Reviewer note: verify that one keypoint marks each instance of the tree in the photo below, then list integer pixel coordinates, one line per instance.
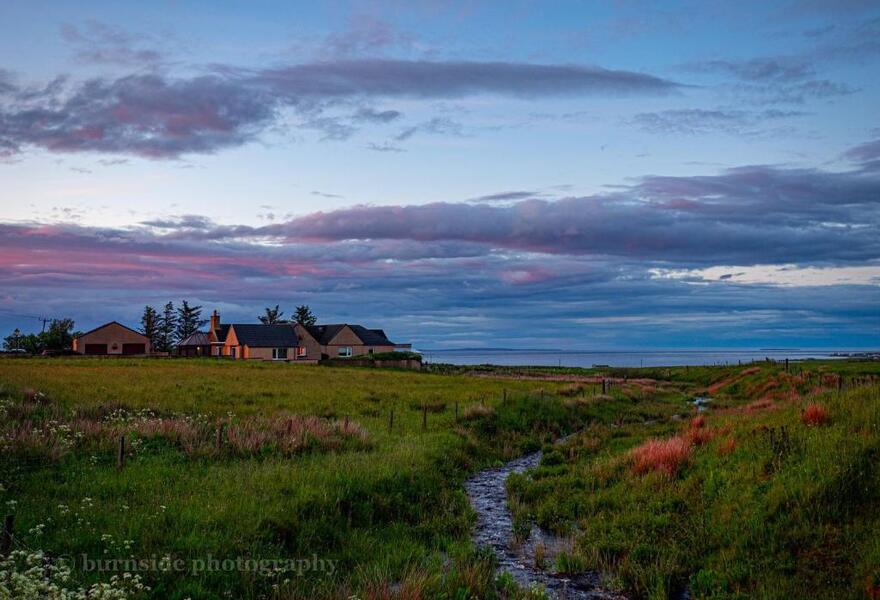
(304, 315)
(150, 325)
(59, 336)
(14, 341)
(167, 326)
(189, 319)
(272, 316)
(33, 343)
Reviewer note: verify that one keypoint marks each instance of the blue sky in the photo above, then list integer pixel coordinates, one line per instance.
(585, 175)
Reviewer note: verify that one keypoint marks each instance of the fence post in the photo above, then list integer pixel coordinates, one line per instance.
(456, 410)
(604, 386)
(6, 535)
(120, 455)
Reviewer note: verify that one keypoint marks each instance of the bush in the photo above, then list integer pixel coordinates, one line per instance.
(666, 456)
(815, 414)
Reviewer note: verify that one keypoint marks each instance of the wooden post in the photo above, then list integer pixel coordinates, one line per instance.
(120, 455)
(604, 386)
(391, 420)
(456, 410)
(424, 416)
(786, 365)
(6, 535)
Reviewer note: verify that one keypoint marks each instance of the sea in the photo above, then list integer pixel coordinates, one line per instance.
(628, 358)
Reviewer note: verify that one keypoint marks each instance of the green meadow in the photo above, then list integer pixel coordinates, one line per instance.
(347, 482)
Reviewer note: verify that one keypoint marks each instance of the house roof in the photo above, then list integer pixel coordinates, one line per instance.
(371, 337)
(198, 338)
(107, 325)
(221, 332)
(324, 334)
(265, 336)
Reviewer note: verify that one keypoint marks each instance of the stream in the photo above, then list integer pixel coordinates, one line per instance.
(488, 496)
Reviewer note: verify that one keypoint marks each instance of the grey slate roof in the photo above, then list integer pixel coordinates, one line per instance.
(199, 338)
(371, 337)
(266, 336)
(221, 332)
(324, 334)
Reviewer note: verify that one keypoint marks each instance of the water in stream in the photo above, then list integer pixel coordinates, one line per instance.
(488, 496)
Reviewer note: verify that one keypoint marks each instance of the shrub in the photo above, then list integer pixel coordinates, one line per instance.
(727, 446)
(666, 456)
(814, 414)
(571, 390)
(476, 411)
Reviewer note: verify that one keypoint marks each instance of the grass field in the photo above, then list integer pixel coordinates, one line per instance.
(269, 461)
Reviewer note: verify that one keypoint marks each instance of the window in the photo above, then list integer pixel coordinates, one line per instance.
(345, 351)
(279, 353)
(301, 352)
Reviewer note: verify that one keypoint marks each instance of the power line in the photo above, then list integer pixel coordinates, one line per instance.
(42, 319)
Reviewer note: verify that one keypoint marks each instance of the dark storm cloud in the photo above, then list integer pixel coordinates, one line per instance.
(158, 116)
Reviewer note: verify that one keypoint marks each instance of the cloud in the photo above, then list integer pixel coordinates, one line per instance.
(435, 126)
(386, 147)
(374, 116)
(694, 121)
(97, 42)
(324, 194)
(157, 116)
(868, 154)
(505, 197)
(648, 263)
(759, 69)
(144, 115)
(366, 35)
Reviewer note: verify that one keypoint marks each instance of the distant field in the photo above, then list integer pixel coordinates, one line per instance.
(271, 461)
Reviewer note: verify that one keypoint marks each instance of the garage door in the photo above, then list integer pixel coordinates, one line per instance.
(96, 348)
(134, 348)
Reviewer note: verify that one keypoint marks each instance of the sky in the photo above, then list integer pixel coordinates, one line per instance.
(549, 175)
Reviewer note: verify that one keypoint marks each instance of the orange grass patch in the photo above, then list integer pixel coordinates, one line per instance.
(666, 456)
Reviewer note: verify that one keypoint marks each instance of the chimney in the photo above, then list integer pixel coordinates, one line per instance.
(215, 320)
